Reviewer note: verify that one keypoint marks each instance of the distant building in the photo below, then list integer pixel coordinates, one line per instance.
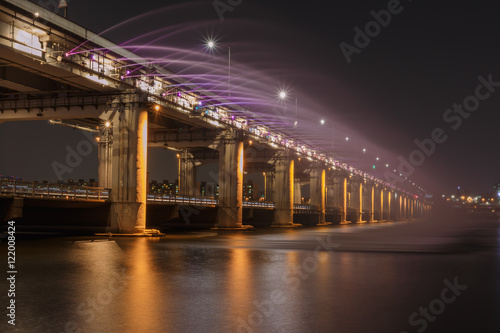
(251, 191)
(209, 189)
(166, 188)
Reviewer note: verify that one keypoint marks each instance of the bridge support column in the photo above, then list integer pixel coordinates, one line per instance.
(357, 198)
(378, 204)
(230, 210)
(317, 181)
(105, 156)
(388, 203)
(405, 207)
(187, 174)
(369, 199)
(396, 207)
(283, 196)
(269, 186)
(340, 196)
(129, 169)
(297, 192)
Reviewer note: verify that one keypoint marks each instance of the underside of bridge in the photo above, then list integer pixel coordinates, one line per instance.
(42, 79)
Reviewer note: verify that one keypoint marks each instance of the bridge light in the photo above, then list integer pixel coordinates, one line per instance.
(347, 138)
(282, 94)
(250, 142)
(107, 124)
(364, 150)
(210, 44)
(322, 121)
(377, 158)
(387, 165)
(97, 139)
(37, 14)
(157, 107)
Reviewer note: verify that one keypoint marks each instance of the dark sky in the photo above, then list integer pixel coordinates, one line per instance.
(396, 90)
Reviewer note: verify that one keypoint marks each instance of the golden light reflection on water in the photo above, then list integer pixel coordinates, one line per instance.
(239, 281)
(144, 299)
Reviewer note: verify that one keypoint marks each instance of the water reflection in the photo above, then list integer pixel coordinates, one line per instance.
(268, 282)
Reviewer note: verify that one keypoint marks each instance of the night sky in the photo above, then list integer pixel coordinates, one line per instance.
(396, 89)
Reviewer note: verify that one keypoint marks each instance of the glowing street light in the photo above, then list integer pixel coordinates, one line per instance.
(282, 94)
(322, 121)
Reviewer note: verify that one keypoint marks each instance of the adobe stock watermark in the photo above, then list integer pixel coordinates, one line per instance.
(74, 156)
(372, 29)
(453, 117)
(436, 307)
(223, 6)
(95, 303)
(291, 279)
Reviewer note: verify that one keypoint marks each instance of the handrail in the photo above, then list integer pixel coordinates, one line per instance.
(64, 191)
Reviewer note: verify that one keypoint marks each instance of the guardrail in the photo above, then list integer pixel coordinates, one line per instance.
(203, 201)
(183, 199)
(62, 191)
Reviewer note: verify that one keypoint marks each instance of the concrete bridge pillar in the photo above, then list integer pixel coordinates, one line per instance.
(187, 174)
(129, 168)
(369, 199)
(230, 209)
(269, 186)
(283, 196)
(318, 189)
(357, 197)
(378, 205)
(387, 205)
(412, 208)
(105, 155)
(340, 195)
(297, 192)
(405, 207)
(396, 206)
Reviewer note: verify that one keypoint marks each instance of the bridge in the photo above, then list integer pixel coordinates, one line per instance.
(56, 70)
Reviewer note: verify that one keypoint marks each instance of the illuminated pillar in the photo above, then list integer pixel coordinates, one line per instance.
(317, 189)
(340, 196)
(230, 209)
(187, 174)
(405, 207)
(269, 186)
(105, 155)
(284, 179)
(388, 205)
(297, 192)
(368, 199)
(396, 207)
(357, 197)
(129, 169)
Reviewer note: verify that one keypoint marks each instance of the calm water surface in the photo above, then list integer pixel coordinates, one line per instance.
(261, 281)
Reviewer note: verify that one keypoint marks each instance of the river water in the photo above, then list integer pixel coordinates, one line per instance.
(354, 278)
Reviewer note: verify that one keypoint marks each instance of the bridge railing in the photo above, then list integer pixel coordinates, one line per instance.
(62, 191)
(183, 199)
(305, 207)
(200, 200)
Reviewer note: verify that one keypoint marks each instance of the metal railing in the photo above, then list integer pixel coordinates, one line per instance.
(183, 199)
(61, 191)
(203, 201)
